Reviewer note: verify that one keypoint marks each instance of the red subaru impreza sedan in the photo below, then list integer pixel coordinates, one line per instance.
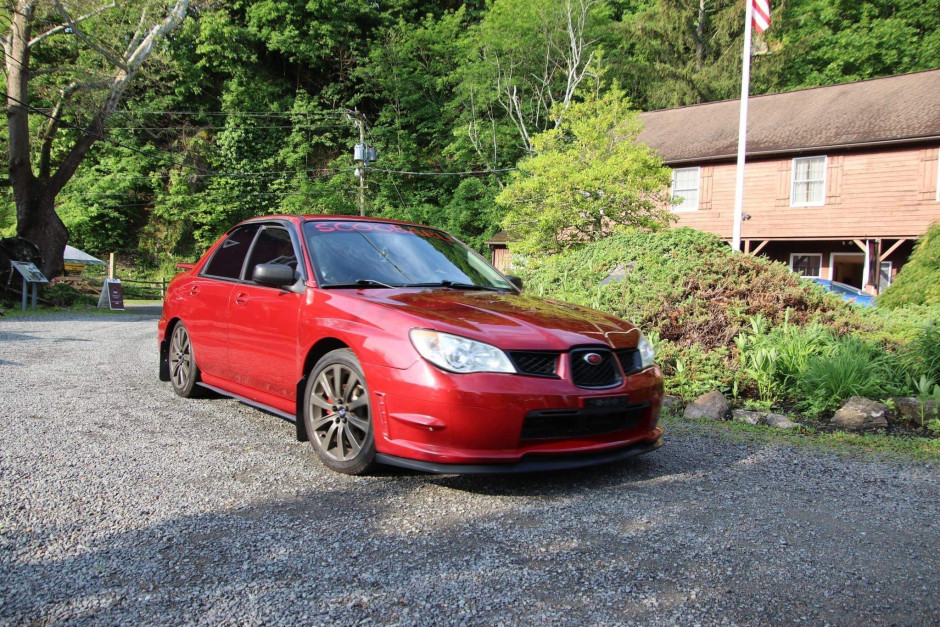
(387, 342)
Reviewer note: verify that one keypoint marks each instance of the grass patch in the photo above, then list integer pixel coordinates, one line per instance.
(879, 445)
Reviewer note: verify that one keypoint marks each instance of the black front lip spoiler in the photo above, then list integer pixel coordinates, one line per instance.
(527, 465)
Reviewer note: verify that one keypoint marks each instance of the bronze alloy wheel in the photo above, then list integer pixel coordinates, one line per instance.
(184, 373)
(337, 413)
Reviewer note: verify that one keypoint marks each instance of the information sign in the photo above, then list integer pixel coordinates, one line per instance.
(112, 295)
(31, 276)
(29, 271)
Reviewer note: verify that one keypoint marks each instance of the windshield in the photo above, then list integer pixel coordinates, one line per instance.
(378, 254)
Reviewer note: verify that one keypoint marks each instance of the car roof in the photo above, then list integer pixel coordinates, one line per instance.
(297, 218)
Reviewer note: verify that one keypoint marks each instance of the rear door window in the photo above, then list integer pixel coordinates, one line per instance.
(229, 258)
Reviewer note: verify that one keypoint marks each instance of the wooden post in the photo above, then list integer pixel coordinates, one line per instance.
(110, 265)
(874, 267)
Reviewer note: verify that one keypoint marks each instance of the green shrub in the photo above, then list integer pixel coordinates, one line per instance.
(65, 295)
(774, 358)
(687, 285)
(852, 367)
(694, 370)
(918, 282)
(921, 356)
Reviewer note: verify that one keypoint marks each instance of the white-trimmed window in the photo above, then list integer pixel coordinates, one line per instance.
(808, 182)
(685, 189)
(808, 265)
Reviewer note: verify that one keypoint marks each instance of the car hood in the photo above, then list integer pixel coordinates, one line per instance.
(509, 321)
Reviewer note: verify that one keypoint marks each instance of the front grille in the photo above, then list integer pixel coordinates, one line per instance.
(568, 423)
(630, 360)
(539, 364)
(604, 374)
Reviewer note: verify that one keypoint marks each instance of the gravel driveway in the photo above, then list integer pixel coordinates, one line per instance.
(121, 503)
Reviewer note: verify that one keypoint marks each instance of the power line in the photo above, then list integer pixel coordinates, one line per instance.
(99, 136)
(206, 172)
(260, 114)
(465, 173)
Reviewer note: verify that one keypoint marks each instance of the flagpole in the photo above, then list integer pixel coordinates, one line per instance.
(742, 129)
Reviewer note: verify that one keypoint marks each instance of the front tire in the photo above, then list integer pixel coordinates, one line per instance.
(184, 373)
(337, 414)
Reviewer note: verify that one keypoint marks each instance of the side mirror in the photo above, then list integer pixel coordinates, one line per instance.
(273, 274)
(515, 280)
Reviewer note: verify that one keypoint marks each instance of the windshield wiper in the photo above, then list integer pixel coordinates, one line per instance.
(457, 285)
(360, 283)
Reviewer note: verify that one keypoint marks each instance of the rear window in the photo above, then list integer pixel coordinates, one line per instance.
(229, 257)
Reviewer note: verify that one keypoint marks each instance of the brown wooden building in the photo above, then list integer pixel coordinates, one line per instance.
(840, 181)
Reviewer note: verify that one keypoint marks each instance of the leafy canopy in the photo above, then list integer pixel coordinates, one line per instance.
(587, 177)
(917, 283)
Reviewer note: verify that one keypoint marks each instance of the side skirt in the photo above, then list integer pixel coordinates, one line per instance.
(247, 401)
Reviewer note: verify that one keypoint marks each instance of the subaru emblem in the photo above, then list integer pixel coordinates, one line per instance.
(593, 359)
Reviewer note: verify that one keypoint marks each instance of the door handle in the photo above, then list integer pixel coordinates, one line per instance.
(193, 290)
(241, 298)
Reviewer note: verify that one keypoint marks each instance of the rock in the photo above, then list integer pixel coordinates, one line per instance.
(908, 409)
(861, 414)
(780, 421)
(712, 406)
(750, 417)
(672, 404)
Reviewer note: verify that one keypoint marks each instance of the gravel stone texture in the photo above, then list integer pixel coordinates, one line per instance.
(121, 503)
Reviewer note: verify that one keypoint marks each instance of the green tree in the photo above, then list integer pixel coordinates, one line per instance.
(527, 60)
(586, 179)
(671, 53)
(823, 42)
(78, 62)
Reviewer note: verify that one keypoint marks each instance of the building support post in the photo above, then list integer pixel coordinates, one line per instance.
(873, 266)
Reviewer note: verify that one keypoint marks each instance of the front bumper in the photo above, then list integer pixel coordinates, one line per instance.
(428, 417)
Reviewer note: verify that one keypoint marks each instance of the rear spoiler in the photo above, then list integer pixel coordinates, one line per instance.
(185, 266)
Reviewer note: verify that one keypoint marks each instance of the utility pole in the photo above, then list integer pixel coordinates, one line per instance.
(361, 123)
(361, 153)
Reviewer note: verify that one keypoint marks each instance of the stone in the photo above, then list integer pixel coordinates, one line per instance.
(672, 404)
(908, 409)
(861, 414)
(749, 417)
(780, 421)
(712, 406)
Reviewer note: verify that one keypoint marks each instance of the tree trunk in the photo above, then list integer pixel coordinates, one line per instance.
(38, 222)
(36, 218)
(700, 36)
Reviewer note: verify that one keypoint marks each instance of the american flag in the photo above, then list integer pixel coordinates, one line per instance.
(761, 14)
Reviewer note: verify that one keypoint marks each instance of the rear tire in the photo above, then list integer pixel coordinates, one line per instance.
(184, 373)
(337, 414)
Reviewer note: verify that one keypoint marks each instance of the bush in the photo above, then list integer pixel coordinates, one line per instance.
(693, 370)
(918, 282)
(852, 367)
(726, 321)
(687, 285)
(921, 356)
(776, 357)
(62, 294)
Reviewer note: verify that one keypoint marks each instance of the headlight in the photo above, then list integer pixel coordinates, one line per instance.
(647, 354)
(458, 354)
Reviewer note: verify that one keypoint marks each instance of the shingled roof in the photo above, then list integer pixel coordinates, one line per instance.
(895, 109)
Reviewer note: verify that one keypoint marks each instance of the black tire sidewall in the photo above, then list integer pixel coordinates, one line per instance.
(365, 458)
